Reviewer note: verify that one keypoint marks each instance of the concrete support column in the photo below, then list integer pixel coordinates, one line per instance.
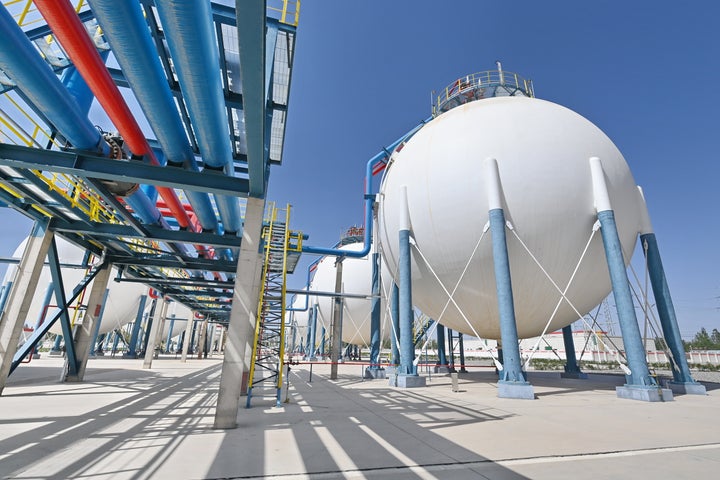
(572, 369)
(512, 382)
(20, 297)
(683, 381)
(337, 318)
(640, 385)
(202, 342)
(243, 315)
(442, 365)
(132, 346)
(374, 370)
(86, 332)
(155, 334)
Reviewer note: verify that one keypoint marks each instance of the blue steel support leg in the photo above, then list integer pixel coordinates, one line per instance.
(407, 376)
(572, 369)
(43, 313)
(450, 351)
(322, 342)
(57, 343)
(442, 365)
(148, 326)
(374, 370)
(639, 384)
(116, 341)
(682, 378)
(93, 349)
(512, 382)
(54, 261)
(395, 319)
(4, 295)
(168, 341)
(313, 330)
(132, 346)
(462, 353)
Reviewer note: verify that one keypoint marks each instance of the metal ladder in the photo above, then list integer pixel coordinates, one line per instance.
(268, 355)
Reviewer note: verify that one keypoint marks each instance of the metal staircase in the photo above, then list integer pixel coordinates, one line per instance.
(281, 250)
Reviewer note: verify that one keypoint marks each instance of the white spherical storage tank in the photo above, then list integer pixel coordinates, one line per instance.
(122, 303)
(542, 151)
(356, 279)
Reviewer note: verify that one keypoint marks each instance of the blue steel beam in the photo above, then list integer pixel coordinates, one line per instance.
(82, 165)
(156, 233)
(250, 17)
(168, 262)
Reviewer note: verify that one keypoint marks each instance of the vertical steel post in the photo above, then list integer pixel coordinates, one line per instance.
(512, 382)
(375, 314)
(450, 350)
(462, 353)
(312, 320)
(442, 365)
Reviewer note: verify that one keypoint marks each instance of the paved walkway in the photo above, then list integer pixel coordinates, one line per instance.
(124, 422)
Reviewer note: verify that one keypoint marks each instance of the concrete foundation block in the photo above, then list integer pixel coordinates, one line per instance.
(390, 371)
(374, 373)
(441, 369)
(687, 388)
(522, 391)
(644, 394)
(575, 375)
(407, 381)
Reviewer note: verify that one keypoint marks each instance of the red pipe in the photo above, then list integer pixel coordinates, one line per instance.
(70, 32)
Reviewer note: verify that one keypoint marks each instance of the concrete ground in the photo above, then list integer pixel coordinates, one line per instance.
(124, 422)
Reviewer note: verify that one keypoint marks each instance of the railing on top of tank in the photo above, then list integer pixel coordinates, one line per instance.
(480, 85)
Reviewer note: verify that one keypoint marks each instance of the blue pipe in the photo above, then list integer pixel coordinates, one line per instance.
(20, 61)
(127, 33)
(369, 199)
(78, 88)
(189, 31)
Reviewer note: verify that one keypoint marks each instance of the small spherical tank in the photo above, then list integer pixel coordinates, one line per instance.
(356, 279)
(542, 150)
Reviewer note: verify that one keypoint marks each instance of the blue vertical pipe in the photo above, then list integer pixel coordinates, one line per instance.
(512, 367)
(442, 360)
(78, 87)
(571, 365)
(132, 353)
(634, 348)
(395, 319)
(666, 310)
(375, 313)
(96, 328)
(170, 333)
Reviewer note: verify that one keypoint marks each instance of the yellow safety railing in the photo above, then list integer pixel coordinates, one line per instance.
(25, 13)
(473, 84)
(286, 11)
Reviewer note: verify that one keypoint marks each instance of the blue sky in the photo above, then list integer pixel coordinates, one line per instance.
(645, 72)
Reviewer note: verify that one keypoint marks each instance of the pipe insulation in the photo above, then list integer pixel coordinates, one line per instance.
(70, 32)
(126, 31)
(20, 60)
(190, 35)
